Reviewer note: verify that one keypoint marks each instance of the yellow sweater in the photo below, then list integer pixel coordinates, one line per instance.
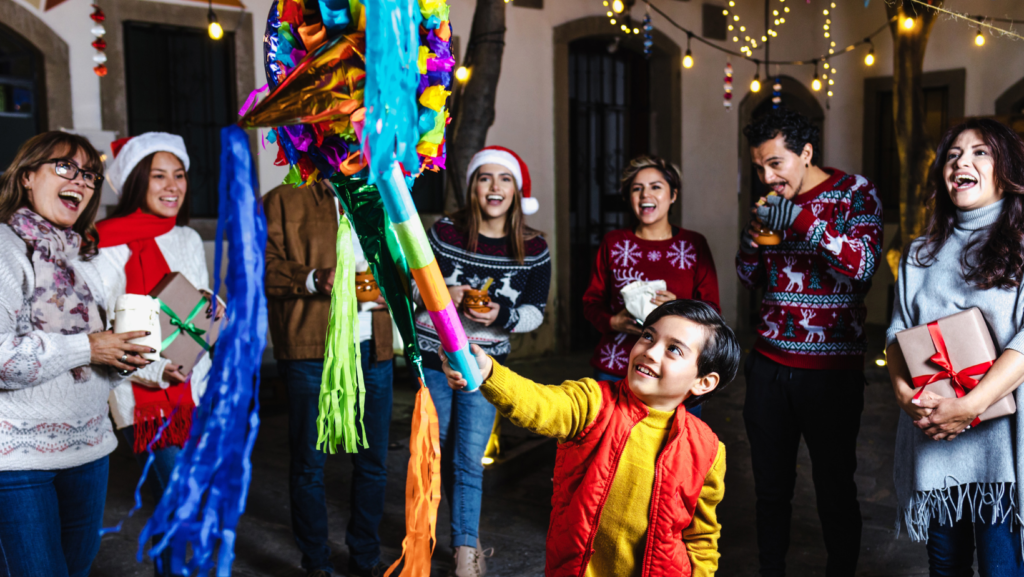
(564, 411)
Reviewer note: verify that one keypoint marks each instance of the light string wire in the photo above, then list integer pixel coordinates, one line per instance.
(758, 61)
(981, 21)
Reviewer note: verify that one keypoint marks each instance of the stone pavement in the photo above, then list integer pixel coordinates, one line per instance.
(515, 515)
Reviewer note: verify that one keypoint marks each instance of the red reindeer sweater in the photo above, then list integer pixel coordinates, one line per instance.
(815, 280)
(684, 262)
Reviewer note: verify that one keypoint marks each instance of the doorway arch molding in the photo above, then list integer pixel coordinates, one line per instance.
(53, 53)
(564, 34)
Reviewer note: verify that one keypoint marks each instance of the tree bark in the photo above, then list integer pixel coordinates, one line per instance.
(915, 152)
(474, 112)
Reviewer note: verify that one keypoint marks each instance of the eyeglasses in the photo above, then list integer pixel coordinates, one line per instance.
(68, 170)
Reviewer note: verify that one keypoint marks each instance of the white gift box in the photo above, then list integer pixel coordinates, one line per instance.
(637, 296)
(139, 313)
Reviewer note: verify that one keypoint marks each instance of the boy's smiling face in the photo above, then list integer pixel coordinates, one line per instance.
(663, 363)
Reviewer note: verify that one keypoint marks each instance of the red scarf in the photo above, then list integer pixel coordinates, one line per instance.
(145, 268)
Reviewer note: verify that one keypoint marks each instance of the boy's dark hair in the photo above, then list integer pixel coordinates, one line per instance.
(720, 352)
(796, 128)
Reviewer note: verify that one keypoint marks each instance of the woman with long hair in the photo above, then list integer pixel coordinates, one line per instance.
(57, 364)
(652, 250)
(959, 489)
(486, 239)
(145, 238)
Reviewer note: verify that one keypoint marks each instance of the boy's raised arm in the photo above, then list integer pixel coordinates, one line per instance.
(560, 411)
(701, 537)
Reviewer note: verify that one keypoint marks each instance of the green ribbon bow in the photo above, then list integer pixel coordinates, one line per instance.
(185, 325)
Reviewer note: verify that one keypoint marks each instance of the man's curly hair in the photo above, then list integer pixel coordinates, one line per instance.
(797, 129)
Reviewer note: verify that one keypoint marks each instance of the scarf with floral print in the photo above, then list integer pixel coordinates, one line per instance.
(61, 302)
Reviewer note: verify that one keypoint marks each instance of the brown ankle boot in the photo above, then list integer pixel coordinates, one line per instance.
(469, 562)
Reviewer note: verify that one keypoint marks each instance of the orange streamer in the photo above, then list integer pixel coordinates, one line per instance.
(422, 489)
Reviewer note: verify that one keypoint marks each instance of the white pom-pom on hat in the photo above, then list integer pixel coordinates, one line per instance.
(129, 152)
(507, 158)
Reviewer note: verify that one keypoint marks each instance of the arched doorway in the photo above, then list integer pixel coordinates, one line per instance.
(21, 81)
(611, 103)
(796, 97)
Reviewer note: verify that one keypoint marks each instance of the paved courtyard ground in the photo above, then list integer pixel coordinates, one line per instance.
(515, 514)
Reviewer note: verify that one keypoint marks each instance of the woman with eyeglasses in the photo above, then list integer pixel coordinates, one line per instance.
(57, 364)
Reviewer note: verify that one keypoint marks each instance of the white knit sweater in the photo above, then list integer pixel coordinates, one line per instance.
(47, 421)
(183, 250)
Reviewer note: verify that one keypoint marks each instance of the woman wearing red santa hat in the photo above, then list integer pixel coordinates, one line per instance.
(486, 239)
(144, 239)
(653, 250)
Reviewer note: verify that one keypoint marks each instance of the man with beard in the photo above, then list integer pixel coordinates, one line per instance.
(806, 373)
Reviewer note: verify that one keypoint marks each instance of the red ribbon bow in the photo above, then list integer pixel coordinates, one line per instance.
(962, 381)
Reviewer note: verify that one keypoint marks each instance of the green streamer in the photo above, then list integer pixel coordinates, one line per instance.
(341, 387)
(362, 203)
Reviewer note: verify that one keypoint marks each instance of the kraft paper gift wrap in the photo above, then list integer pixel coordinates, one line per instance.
(638, 294)
(175, 292)
(969, 352)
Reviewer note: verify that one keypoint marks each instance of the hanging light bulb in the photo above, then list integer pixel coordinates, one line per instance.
(979, 39)
(908, 23)
(688, 60)
(869, 59)
(816, 83)
(462, 74)
(618, 6)
(214, 29)
(755, 84)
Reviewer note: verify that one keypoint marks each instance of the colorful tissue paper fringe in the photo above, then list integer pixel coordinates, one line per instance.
(206, 494)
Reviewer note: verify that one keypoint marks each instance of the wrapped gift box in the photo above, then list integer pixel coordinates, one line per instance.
(189, 305)
(951, 355)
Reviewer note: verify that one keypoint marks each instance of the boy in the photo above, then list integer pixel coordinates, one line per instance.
(636, 480)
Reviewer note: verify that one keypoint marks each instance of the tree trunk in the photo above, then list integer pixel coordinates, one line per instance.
(916, 154)
(474, 112)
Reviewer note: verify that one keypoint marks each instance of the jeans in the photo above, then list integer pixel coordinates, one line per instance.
(306, 464)
(465, 421)
(951, 548)
(159, 477)
(824, 406)
(50, 526)
(603, 376)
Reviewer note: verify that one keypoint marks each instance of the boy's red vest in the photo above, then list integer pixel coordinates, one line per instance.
(585, 468)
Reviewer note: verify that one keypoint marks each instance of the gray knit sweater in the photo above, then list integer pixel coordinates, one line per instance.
(932, 476)
(47, 421)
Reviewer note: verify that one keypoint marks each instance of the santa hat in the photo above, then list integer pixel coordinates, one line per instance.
(504, 157)
(128, 152)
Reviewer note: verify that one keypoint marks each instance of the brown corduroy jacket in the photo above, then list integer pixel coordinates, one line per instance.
(302, 229)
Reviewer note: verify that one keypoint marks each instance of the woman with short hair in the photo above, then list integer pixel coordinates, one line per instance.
(652, 250)
(57, 364)
(959, 489)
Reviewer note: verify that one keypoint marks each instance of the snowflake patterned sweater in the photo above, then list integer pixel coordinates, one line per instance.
(815, 280)
(684, 262)
(520, 289)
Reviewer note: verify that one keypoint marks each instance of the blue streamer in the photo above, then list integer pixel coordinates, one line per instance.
(392, 76)
(207, 491)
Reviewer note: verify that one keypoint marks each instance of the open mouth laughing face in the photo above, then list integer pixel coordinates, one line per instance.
(495, 189)
(55, 198)
(650, 196)
(969, 172)
(168, 185)
(663, 363)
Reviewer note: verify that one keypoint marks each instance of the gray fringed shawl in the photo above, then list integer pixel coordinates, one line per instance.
(946, 480)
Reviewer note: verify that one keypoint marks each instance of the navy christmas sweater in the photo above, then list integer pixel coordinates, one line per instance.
(520, 289)
(815, 280)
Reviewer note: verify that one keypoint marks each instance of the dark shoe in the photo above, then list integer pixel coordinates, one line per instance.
(375, 571)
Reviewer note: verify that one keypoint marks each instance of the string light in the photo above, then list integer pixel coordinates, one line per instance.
(979, 38)
(869, 59)
(908, 23)
(215, 30)
(462, 74)
(816, 83)
(618, 6)
(755, 84)
(688, 58)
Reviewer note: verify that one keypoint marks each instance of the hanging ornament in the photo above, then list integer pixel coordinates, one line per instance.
(776, 93)
(100, 58)
(648, 37)
(727, 97)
